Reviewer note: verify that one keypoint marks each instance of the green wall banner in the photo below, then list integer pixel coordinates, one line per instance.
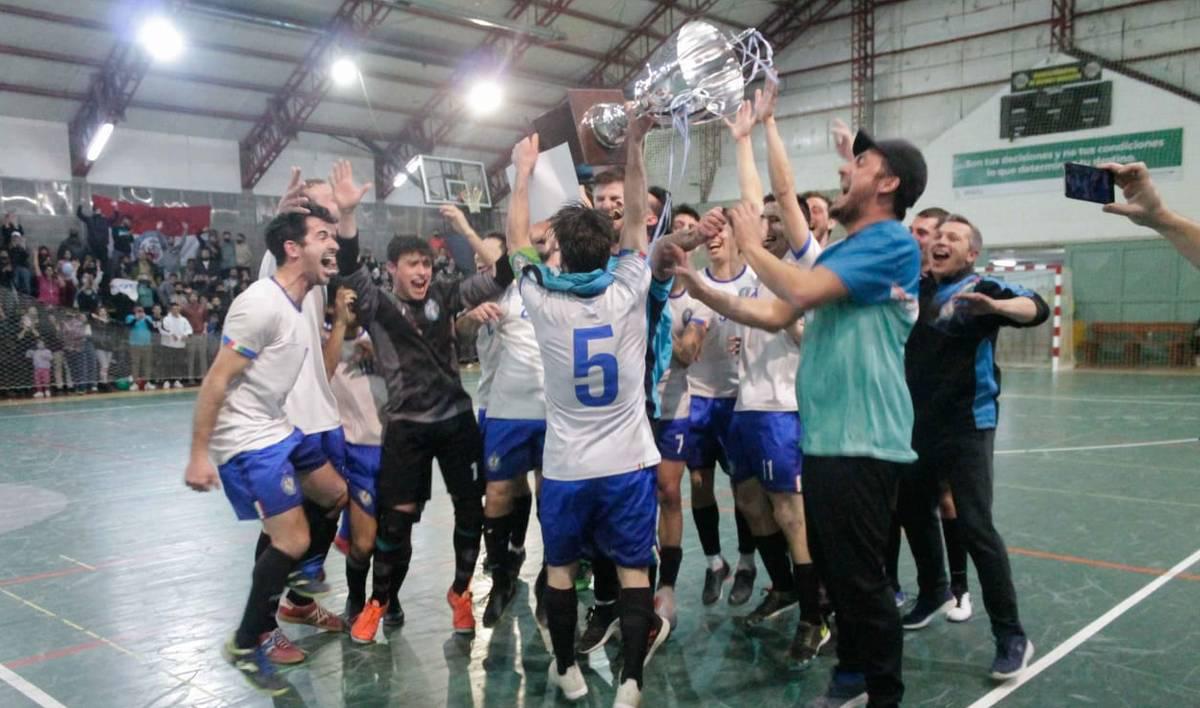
(1020, 169)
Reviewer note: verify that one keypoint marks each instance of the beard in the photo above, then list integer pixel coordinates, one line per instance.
(845, 213)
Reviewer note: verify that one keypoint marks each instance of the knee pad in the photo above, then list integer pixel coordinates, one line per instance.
(468, 516)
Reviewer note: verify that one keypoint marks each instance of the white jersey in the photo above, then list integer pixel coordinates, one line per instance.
(594, 354)
(360, 394)
(310, 406)
(714, 374)
(266, 326)
(768, 361)
(487, 347)
(518, 388)
(674, 399)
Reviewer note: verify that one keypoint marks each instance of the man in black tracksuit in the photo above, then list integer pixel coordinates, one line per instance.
(954, 383)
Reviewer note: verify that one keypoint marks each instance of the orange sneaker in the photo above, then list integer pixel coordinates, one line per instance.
(311, 614)
(279, 649)
(367, 622)
(464, 616)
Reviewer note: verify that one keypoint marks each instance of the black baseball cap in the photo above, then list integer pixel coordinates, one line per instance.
(904, 160)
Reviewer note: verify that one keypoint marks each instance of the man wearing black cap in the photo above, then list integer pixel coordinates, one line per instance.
(862, 298)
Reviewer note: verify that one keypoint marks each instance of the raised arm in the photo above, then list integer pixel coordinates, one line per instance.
(332, 349)
(1145, 207)
(524, 158)
(201, 475)
(685, 349)
(739, 129)
(770, 315)
(633, 227)
(801, 289)
(783, 183)
(458, 220)
(660, 258)
(347, 194)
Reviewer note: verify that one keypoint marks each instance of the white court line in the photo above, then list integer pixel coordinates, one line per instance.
(77, 562)
(27, 689)
(998, 694)
(1114, 446)
(1097, 495)
(1141, 401)
(103, 409)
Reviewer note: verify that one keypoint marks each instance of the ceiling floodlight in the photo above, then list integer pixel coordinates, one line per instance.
(99, 140)
(485, 97)
(160, 39)
(344, 71)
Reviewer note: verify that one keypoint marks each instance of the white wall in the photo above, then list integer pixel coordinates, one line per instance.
(142, 158)
(34, 149)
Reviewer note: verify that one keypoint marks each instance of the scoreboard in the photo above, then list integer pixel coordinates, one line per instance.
(1056, 99)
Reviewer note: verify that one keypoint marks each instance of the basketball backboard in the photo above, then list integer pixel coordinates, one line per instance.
(446, 180)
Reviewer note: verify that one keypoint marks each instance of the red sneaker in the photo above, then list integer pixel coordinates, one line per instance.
(464, 616)
(279, 649)
(312, 614)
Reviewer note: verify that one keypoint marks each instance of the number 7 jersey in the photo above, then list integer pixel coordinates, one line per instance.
(594, 357)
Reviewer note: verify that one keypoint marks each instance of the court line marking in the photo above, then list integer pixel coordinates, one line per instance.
(1098, 495)
(53, 654)
(1108, 565)
(27, 689)
(100, 409)
(1084, 399)
(999, 693)
(1113, 446)
(79, 563)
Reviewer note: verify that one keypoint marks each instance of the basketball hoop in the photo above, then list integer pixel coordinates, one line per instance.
(472, 196)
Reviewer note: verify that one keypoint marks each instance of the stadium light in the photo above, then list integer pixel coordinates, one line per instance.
(485, 97)
(99, 140)
(413, 165)
(344, 71)
(400, 180)
(160, 39)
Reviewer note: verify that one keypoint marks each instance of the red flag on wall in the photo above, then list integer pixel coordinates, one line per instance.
(145, 218)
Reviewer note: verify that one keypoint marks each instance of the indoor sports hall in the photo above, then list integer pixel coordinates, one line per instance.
(150, 145)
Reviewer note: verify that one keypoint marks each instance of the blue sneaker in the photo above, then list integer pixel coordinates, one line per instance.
(846, 690)
(1012, 656)
(306, 585)
(925, 610)
(256, 668)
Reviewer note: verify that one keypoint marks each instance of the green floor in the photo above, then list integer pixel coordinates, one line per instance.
(117, 585)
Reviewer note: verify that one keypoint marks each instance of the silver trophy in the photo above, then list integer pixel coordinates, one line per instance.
(699, 75)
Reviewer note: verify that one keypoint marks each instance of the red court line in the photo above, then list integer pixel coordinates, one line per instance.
(56, 654)
(1098, 563)
(72, 570)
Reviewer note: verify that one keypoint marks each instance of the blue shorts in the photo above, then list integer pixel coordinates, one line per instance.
(674, 438)
(318, 448)
(616, 515)
(482, 418)
(362, 470)
(512, 447)
(709, 430)
(262, 483)
(766, 445)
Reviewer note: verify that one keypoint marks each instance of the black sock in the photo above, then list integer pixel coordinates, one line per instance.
(519, 520)
(708, 528)
(393, 552)
(637, 617)
(807, 592)
(671, 557)
(269, 578)
(605, 585)
(321, 530)
(562, 613)
(773, 550)
(466, 552)
(956, 556)
(356, 583)
(495, 538)
(746, 541)
(264, 542)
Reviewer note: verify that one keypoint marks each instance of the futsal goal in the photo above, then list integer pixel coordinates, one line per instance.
(1049, 344)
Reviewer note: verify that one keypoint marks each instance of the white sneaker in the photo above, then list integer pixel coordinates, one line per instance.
(571, 683)
(628, 695)
(178, 384)
(37, 394)
(150, 387)
(961, 612)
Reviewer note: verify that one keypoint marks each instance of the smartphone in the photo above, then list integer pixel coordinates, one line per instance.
(1087, 183)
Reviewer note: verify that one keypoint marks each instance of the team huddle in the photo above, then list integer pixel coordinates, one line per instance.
(847, 389)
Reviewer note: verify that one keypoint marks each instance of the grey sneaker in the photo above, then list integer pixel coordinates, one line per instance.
(807, 643)
(714, 583)
(743, 586)
(773, 605)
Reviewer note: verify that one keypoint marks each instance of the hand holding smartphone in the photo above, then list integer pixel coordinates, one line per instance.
(1087, 183)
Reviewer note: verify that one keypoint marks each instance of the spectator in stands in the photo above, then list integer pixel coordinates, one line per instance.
(1145, 207)
(44, 326)
(66, 288)
(98, 233)
(244, 255)
(228, 253)
(217, 306)
(243, 283)
(191, 245)
(174, 330)
(213, 331)
(143, 266)
(87, 299)
(88, 267)
(48, 286)
(106, 343)
(141, 349)
(209, 267)
(196, 312)
(72, 243)
(68, 266)
(73, 326)
(123, 267)
(22, 273)
(42, 360)
(168, 288)
(122, 237)
(11, 226)
(44, 259)
(8, 276)
(146, 293)
(170, 261)
(12, 378)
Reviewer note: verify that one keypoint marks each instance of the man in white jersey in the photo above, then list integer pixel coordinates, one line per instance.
(240, 424)
(599, 479)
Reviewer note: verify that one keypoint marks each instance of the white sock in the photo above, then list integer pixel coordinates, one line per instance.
(715, 562)
(746, 562)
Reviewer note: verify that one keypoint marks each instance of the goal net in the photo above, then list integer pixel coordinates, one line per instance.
(1049, 343)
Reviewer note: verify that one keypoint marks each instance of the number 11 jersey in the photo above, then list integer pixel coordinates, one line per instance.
(594, 356)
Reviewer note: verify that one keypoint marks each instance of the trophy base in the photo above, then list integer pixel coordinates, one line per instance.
(564, 125)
